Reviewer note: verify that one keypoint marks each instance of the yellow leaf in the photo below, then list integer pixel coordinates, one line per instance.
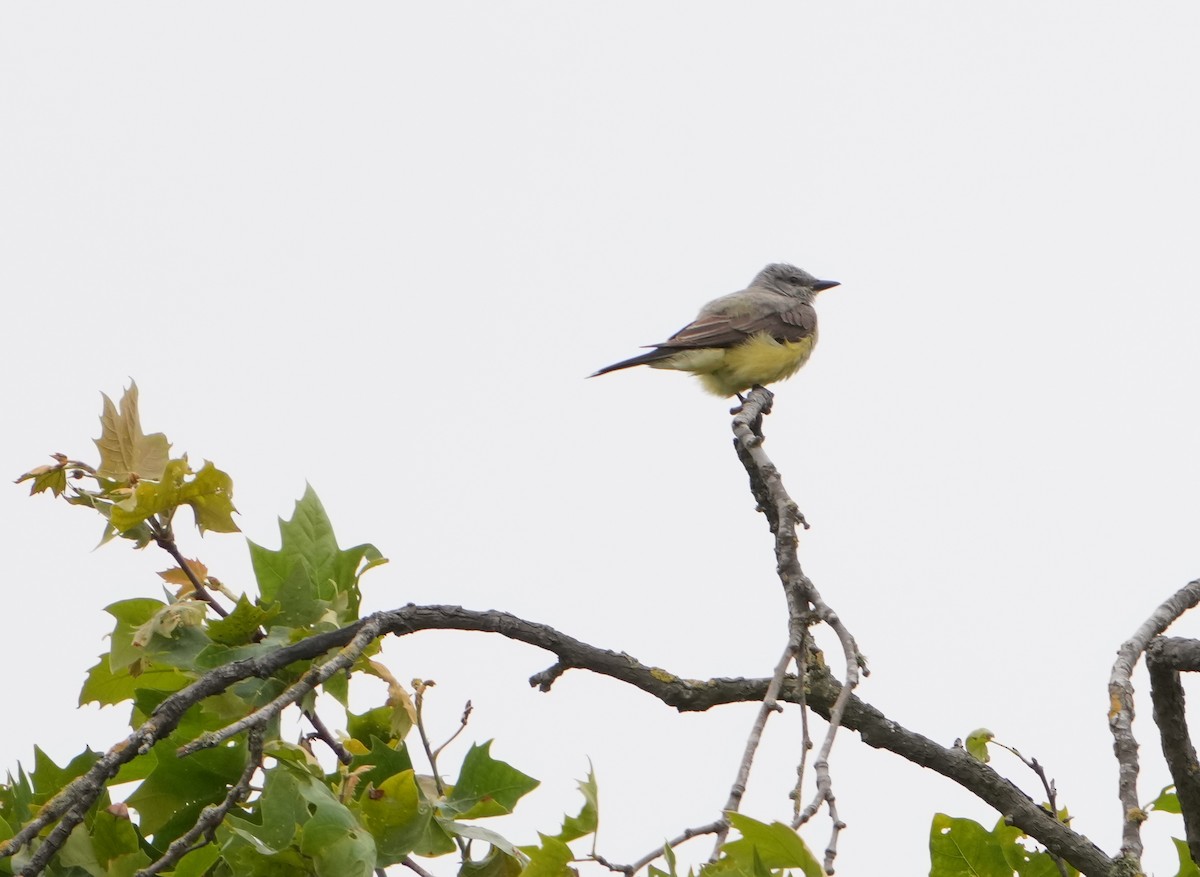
(124, 449)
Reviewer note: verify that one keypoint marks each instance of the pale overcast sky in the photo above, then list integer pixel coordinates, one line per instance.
(378, 246)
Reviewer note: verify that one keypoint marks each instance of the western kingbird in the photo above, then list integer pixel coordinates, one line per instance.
(750, 338)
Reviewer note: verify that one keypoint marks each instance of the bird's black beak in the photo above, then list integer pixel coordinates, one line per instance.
(822, 285)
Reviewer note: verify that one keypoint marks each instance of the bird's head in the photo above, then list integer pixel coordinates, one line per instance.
(790, 280)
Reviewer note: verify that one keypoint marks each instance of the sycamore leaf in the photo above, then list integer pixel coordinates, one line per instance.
(177, 576)
(977, 742)
(496, 863)
(124, 449)
(52, 478)
(552, 858)
(209, 492)
(405, 715)
(774, 846)
(310, 575)
(964, 848)
(1187, 868)
(1167, 801)
(240, 625)
(588, 820)
(396, 815)
(486, 787)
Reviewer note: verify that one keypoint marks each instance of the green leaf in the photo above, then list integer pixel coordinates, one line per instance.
(52, 478)
(373, 723)
(776, 846)
(977, 742)
(397, 817)
(964, 848)
(669, 858)
(124, 449)
(486, 787)
(479, 833)
(1187, 868)
(16, 796)
(239, 627)
(551, 859)
(332, 837)
(198, 862)
(337, 844)
(337, 686)
(171, 797)
(588, 820)
(209, 492)
(112, 836)
(309, 549)
(130, 615)
(78, 852)
(382, 761)
(48, 778)
(1167, 801)
(107, 688)
(496, 863)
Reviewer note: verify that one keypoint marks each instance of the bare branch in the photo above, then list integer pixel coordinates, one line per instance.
(685, 695)
(806, 743)
(803, 598)
(1120, 713)
(769, 705)
(408, 863)
(429, 753)
(686, 835)
(1166, 693)
(323, 734)
(462, 724)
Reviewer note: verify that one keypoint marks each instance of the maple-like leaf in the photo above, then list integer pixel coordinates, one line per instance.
(124, 449)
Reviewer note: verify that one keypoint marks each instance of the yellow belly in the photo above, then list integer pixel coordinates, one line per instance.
(761, 360)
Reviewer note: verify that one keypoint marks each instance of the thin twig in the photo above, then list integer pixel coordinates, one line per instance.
(408, 863)
(164, 538)
(686, 835)
(806, 743)
(429, 753)
(462, 724)
(212, 816)
(784, 517)
(770, 704)
(1051, 794)
(326, 736)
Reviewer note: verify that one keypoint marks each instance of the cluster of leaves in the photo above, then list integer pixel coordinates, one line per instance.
(963, 848)
(257, 804)
(372, 810)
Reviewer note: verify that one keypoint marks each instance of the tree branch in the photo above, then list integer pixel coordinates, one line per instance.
(685, 695)
(803, 599)
(1166, 694)
(1120, 713)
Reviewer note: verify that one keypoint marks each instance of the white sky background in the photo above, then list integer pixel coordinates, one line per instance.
(378, 247)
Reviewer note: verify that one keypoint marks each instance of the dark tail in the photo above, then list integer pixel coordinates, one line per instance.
(656, 355)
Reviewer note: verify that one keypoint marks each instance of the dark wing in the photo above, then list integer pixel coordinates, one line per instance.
(723, 330)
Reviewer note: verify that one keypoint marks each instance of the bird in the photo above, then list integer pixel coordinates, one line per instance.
(754, 337)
